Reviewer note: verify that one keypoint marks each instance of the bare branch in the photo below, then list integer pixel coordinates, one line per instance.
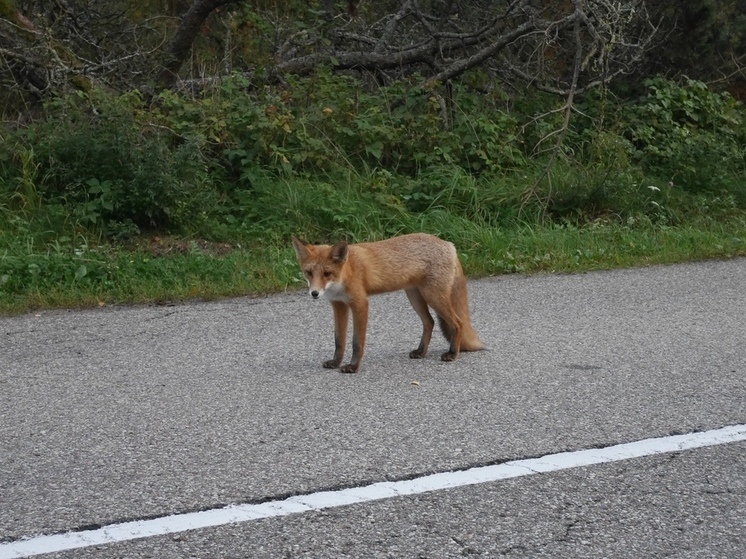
(512, 40)
(185, 36)
(20, 56)
(478, 58)
(519, 38)
(568, 107)
(391, 27)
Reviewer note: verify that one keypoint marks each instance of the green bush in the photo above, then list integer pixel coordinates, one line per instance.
(337, 150)
(326, 123)
(328, 156)
(115, 174)
(691, 136)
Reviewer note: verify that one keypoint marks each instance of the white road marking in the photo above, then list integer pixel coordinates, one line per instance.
(233, 514)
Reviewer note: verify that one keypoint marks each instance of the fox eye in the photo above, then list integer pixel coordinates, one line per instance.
(309, 273)
(327, 274)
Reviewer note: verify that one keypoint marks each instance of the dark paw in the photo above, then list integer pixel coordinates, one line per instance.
(349, 369)
(448, 356)
(417, 354)
(331, 364)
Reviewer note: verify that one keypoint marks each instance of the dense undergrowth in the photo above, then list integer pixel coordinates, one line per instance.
(115, 199)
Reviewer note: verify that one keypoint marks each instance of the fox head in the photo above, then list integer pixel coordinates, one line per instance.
(322, 267)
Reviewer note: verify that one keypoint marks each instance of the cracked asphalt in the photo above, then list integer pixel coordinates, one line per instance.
(125, 413)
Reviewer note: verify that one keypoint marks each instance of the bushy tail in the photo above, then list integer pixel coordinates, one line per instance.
(459, 299)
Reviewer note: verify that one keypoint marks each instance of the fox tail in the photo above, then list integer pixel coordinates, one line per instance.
(469, 338)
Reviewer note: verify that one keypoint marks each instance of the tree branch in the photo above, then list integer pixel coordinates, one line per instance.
(568, 108)
(183, 40)
(478, 58)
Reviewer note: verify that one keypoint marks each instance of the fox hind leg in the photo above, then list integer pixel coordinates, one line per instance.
(453, 323)
(420, 306)
(449, 320)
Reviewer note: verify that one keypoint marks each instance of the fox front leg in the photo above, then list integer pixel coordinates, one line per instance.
(359, 328)
(341, 314)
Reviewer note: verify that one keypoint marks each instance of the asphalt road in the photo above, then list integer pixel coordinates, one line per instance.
(120, 414)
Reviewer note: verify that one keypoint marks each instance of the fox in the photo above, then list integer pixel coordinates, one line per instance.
(426, 267)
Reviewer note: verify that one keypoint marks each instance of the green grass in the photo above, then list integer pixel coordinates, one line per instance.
(102, 208)
(90, 276)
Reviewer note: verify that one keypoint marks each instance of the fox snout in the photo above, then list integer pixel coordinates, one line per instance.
(316, 294)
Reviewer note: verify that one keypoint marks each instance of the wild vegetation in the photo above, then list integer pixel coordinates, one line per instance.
(113, 194)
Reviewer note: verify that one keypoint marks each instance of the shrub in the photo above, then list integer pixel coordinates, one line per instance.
(115, 173)
(690, 136)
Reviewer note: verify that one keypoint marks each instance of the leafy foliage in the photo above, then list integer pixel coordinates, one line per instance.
(690, 136)
(116, 174)
(699, 38)
(325, 157)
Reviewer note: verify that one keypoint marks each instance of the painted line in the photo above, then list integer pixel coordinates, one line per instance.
(233, 514)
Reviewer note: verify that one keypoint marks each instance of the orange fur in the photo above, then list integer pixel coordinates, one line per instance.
(425, 267)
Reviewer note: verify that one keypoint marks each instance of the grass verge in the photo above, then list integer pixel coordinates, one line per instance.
(158, 270)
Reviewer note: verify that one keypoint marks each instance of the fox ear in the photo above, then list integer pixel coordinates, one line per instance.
(339, 252)
(301, 248)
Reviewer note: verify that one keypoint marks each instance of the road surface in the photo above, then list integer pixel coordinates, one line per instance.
(141, 416)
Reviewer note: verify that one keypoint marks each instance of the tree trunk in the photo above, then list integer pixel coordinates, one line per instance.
(186, 34)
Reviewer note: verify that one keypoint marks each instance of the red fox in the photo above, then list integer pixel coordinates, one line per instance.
(425, 267)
